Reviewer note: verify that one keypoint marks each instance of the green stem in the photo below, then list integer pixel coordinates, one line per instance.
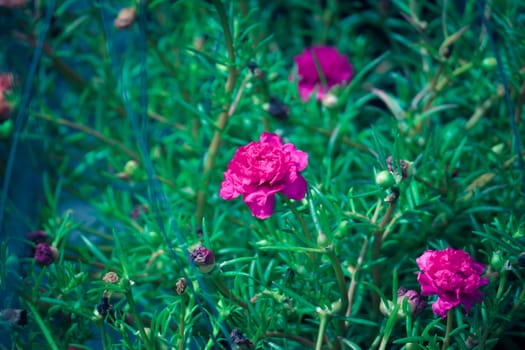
(322, 327)
(43, 327)
(136, 316)
(223, 117)
(448, 330)
(182, 321)
(378, 240)
(336, 264)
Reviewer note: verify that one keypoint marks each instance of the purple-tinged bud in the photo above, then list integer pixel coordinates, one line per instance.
(45, 254)
(402, 170)
(138, 211)
(203, 258)
(240, 340)
(417, 305)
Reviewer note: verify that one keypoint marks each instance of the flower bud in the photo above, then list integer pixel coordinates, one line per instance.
(203, 258)
(497, 261)
(489, 62)
(181, 286)
(330, 100)
(131, 168)
(322, 240)
(125, 18)
(385, 179)
(45, 254)
(386, 307)
(497, 149)
(110, 277)
(138, 210)
(416, 304)
(402, 170)
(240, 340)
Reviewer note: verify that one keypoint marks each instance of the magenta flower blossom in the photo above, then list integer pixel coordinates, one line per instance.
(453, 275)
(261, 169)
(334, 67)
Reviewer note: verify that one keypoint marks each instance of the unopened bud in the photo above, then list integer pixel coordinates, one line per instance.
(330, 100)
(181, 286)
(322, 240)
(125, 18)
(489, 62)
(385, 179)
(45, 254)
(416, 304)
(497, 261)
(110, 277)
(203, 258)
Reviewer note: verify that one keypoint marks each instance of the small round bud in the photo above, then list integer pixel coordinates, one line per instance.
(45, 254)
(385, 179)
(489, 62)
(322, 240)
(330, 100)
(110, 277)
(181, 286)
(497, 261)
(497, 149)
(416, 304)
(125, 18)
(203, 258)
(131, 168)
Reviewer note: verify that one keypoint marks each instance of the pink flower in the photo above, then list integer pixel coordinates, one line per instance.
(453, 275)
(12, 3)
(261, 169)
(334, 67)
(6, 83)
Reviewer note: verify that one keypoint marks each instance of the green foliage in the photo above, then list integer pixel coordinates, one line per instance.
(135, 127)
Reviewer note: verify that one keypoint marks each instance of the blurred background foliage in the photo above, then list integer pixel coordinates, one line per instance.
(118, 120)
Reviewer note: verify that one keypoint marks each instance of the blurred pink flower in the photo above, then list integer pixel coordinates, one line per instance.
(334, 67)
(261, 169)
(6, 83)
(453, 275)
(12, 3)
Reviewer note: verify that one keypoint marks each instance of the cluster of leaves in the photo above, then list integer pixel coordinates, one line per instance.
(145, 120)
